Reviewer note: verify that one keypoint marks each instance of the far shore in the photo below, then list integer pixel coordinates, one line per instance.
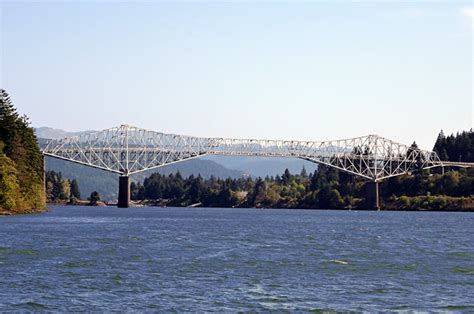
(390, 207)
(23, 212)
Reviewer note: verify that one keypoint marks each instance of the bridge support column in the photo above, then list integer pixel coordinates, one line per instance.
(124, 192)
(44, 175)
(373, 196)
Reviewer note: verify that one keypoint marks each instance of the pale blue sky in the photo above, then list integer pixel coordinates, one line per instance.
(306, 70)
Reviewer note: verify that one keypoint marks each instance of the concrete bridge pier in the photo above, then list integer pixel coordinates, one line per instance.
(124, 192)
(373, 195)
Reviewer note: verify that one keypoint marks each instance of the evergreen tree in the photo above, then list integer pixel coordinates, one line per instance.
(459, 147)
(331, 189)
(65, 190)
(324, 176)
(21, 148)
(286, 177)
(195, 189)
(413, 152)
(314, 183)
(59, 188)
(304, 173)
(94, 198)
(257, 196)
(277, 179)
(75, 189)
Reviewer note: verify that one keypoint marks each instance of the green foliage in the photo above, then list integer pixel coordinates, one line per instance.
(19, 151)
(106, 183)
(325, 176)
(303, 172)
(326, 188)
(10, 195)
(330, 198)
(452, 183)
(412, 150)
(94, 198)
(75, 189)
(88, 179)
(60, 189)
(257, 197)
(429, 202)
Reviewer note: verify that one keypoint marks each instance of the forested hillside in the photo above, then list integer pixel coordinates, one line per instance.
(21, 166)
(257, 166)
(325, 188)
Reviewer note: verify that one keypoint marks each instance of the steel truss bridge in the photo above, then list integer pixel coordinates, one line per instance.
(127, 150)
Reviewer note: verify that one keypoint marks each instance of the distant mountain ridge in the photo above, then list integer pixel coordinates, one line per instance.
(263, 166)
(50, 133)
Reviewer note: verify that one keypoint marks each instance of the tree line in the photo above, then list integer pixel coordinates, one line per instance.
(326, 188)
(61, 189)
(22, 188)
(459, 147)
(21, 164)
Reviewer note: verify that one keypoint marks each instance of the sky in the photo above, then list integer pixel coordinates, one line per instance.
(305, 70)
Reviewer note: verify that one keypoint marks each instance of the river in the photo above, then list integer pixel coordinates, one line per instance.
(201, 259)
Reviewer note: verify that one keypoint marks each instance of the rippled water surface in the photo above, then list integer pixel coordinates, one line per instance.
(83, 258)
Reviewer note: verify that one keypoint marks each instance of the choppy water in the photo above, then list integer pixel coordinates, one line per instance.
(83, 258)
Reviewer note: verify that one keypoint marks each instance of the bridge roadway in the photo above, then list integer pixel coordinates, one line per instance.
(127, 150)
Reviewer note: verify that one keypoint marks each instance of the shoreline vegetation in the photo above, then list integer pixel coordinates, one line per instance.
(22, 189)
(325, 188)
(21, 163)
(404, 203)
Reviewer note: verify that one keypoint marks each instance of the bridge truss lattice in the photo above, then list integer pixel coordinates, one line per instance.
(127, 150)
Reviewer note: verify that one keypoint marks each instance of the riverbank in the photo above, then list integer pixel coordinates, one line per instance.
(388, 207)
(4, 212)
(402, 203)
(431, 203)
(438, 203)
(77, 202)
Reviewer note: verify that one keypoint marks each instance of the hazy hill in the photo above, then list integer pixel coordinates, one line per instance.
(263, 166)
(46, 132)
